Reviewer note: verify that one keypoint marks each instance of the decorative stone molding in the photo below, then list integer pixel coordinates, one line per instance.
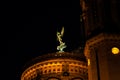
(56, 67)
(97, 40)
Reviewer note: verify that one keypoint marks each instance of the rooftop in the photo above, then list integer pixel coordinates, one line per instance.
(56, 55)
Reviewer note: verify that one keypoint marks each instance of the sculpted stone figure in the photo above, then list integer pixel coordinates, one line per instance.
(62, 44)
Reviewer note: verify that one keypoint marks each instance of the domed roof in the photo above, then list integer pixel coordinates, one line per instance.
(56, 55)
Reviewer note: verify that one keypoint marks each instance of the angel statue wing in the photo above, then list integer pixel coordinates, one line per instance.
(62, 44)
(62, 31)
(60, 34)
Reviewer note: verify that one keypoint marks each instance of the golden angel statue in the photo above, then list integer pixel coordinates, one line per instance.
(62, 44)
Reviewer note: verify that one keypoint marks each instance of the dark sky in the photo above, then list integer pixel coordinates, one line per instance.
(34, 34)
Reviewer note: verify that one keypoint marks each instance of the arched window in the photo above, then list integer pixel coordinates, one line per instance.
(45, 71)
(58, 69)
(49, 71)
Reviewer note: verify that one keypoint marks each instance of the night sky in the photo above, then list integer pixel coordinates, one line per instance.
(34, 34)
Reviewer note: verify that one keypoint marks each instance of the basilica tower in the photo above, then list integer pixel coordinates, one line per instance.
(102, 34)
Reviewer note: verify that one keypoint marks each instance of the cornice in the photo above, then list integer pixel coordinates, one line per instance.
(98, 40)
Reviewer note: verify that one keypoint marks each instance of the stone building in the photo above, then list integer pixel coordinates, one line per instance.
(57, 66)
(100, 22)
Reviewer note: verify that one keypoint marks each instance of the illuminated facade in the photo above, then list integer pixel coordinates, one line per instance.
(102, 33)
(102, 48)
(57, 66)
(103, 54)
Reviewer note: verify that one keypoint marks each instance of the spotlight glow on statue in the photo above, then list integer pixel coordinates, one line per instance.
(59, 38)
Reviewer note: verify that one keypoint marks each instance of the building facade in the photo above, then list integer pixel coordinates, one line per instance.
(101, 24)
(103, 55)
(57, 66)
(102, 32)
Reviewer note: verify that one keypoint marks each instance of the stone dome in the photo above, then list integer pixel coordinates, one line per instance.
(56, 65)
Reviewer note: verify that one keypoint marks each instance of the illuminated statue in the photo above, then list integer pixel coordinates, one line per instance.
(62, 44)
